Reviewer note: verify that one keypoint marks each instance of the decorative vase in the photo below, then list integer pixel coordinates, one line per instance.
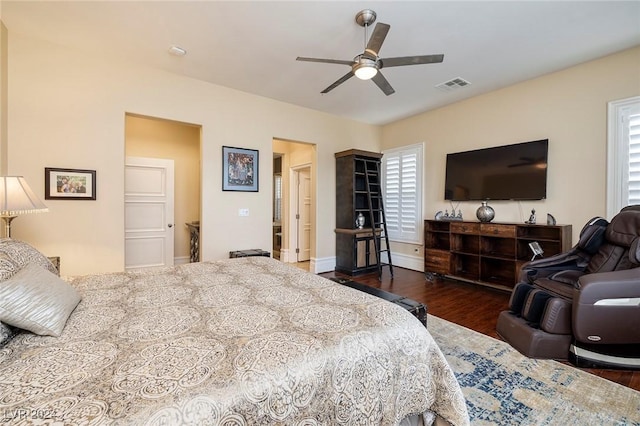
(485, 213)
(360, 221)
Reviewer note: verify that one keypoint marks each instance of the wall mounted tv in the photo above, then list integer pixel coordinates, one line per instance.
(509, 172)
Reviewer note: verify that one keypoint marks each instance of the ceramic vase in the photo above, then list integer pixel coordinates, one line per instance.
(360, 221)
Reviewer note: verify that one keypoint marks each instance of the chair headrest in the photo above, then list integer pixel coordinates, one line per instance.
(624, 227)
(592, 235)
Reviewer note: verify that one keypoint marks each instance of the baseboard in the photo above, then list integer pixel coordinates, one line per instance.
(415, 263)
(284, 255)
(181, 260)
(320, 265)
(328, 264)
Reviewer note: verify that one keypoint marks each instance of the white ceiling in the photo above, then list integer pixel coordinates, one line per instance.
(252, 45)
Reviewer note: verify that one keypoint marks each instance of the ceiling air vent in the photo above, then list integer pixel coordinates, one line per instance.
(453, 84)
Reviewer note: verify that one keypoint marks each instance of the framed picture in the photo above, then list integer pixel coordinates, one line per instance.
(239, 169)
(69, 184)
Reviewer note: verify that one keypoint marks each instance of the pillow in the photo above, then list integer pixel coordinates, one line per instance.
(6, 334)
(15, 254)
(34, 299)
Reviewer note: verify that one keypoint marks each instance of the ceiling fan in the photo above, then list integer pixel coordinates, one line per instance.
(368, 64)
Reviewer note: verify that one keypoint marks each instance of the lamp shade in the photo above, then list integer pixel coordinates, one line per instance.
(16, 197)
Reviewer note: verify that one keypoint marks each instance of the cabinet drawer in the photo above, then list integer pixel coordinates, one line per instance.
(506, 231)
(465, 228)
(437, 261)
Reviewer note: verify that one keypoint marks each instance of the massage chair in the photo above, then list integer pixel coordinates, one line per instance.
(582, 305)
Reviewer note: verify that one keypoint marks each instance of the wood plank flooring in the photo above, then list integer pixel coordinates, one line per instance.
(469, 305)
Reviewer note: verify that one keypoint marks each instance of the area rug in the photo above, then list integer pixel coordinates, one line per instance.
(503, 387)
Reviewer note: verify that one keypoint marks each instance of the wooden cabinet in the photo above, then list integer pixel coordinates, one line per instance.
(488, 253)
(355, 248)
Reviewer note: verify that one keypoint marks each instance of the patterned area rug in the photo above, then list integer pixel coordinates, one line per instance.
(505, 388)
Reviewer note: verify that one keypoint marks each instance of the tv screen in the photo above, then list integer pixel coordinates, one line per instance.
(510, 172)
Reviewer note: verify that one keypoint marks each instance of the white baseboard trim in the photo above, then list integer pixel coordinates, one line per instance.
(415, 263)
(320, 265)
(181, 260)
(284, 255)
(328, 264)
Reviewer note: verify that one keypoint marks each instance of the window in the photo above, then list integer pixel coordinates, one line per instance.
(402, 190)
(623, 164)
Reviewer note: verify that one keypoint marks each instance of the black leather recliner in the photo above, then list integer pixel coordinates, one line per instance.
(582, 305)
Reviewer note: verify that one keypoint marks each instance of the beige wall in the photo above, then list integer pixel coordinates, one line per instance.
(567, 107)
(180, 142)
(3, 98)
(67, 109)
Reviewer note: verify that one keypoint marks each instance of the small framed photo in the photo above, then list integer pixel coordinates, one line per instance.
(239, 169)
(69, 184)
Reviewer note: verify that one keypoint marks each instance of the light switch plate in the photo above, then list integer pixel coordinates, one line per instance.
(243, 212)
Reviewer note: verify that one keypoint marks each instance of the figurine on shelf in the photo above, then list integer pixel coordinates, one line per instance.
(446, 214)
(459, 216)
(532, 218)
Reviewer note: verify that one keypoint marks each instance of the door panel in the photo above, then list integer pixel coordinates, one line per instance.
(304, 224)
(149, 227)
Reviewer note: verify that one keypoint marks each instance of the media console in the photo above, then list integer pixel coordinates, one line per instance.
(489, 254)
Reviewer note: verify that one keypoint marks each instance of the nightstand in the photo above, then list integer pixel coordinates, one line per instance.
(56, 262)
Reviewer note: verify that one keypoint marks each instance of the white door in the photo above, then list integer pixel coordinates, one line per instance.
(148, 201)
(304, 215)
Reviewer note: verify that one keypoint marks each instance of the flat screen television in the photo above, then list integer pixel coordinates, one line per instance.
(509, 172)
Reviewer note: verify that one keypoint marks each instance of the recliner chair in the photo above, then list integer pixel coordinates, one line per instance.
(582, 305)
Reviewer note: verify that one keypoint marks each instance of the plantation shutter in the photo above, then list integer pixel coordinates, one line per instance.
(634, 160)
(402, 187)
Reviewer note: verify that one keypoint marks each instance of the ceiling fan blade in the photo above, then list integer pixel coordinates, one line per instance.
(338, 82)
(326, 61)
(383, 84)
(377, 38)
(410, 60)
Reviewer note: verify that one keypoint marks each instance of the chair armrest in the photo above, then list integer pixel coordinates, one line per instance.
(542, 268)
(607, 285)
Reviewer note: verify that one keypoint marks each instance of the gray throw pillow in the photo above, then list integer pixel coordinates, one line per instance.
(37, 300)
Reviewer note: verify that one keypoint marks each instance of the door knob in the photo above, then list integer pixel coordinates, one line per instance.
(170, 225)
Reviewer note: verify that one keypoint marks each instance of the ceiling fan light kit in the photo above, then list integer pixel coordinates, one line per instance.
(368, 64)
(365, 68)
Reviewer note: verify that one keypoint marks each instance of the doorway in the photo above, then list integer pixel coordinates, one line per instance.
(157, 138)
(294, 163)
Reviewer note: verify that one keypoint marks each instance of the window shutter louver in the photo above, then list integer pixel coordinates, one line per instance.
(402, 173)
(634, 159)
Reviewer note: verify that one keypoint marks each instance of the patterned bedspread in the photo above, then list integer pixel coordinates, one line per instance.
(248, 341)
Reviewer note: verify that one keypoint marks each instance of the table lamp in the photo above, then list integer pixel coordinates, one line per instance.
(16, 198)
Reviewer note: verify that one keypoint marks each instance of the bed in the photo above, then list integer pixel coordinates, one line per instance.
(247, 341)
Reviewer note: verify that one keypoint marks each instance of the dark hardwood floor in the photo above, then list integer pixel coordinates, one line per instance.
(469, 305)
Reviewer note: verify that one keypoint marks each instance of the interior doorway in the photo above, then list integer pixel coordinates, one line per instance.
(180, 142)
(294, 174)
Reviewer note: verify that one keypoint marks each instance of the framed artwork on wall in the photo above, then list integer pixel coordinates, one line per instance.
(239, 169)
(69, 184)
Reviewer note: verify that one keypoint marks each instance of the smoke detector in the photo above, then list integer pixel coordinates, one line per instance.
(177, 51)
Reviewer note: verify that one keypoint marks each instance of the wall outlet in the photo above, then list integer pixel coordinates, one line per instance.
(243, 212)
